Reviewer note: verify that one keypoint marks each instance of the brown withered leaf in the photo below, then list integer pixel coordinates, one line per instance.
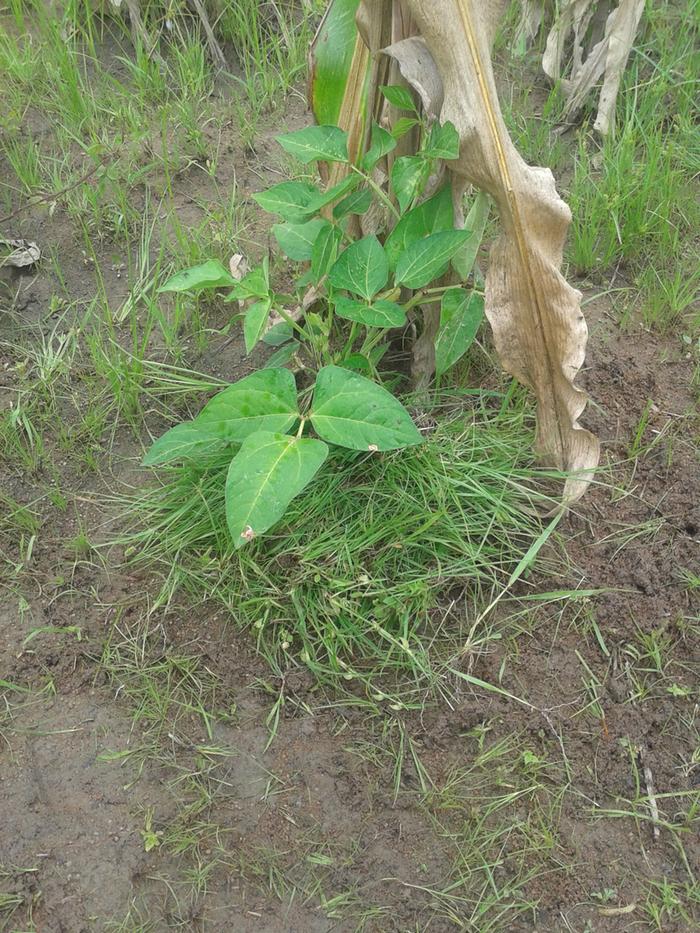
(539, 330)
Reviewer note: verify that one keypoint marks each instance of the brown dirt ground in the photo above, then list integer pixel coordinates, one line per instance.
(71, 822)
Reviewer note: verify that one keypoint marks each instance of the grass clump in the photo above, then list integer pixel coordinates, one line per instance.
(371, 569)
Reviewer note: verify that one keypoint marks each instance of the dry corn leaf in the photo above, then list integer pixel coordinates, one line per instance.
(539, 330)
(605, 57)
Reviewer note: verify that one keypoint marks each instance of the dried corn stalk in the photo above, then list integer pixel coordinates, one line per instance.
(593, 55)
(539, 330)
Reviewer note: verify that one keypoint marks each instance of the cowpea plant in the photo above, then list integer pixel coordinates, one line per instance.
(352, 292)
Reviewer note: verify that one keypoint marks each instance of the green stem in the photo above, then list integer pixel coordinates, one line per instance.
(382, 195)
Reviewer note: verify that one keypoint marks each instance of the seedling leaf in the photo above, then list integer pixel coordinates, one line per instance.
(316, 143)
(265, 475)
(362, 268)
(426, 259)
(264, 401)
(355, 412)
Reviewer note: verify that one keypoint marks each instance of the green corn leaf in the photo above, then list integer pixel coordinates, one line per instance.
(362, 268)
(297, 240)
(316, 143)
(461, 313)
(399, 96)
(331, 56)
(355, 412)
(255, 322)
(269, 470)
(380, 144)
(426, 259)
(210, 274)
(183, 442)
(407, 176)
(430, 216)
(264, 401)
(377, 314)
(292, 200)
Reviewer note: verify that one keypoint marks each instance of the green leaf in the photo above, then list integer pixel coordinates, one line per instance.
(292, 200)
(264, 401)
(402, 126)
(331, 56)
(297, 240)
(282, 356)
(426, 259)
(349, 183)
(255, 321)
(356, 203)
(443, 142)
(380, 144)
(255, 284)
(325, 251)
(430, 216)
(378, 314)
(278, 334)
(357, 361)
(182, 442)
(316, 143)
(355, 412)
(362, 268)
(461, 314)
(265, 475)
(398, 96)
(210, 274)
(476, 220)
(407, 177)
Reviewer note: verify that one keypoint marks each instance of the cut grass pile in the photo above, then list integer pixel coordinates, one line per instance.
(378, 567)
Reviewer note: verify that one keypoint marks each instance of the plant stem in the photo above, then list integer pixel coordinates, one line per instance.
(382, 195)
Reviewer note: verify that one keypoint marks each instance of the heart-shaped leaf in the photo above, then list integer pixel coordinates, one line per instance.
(255, 284)
(430, 216)
(210, 274)
(355, 412)
(378, 314)
(461, 313)
(292, 200)
(264, 401)
(356, 203)
(443, 142)
(322, 143)
(398, 96)
(278, 334)
(265, 475)
(380, 144)
(297, 240)
(184, 441)
(255, 322)
(362, 268)
(407, 176)
(426, 259)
